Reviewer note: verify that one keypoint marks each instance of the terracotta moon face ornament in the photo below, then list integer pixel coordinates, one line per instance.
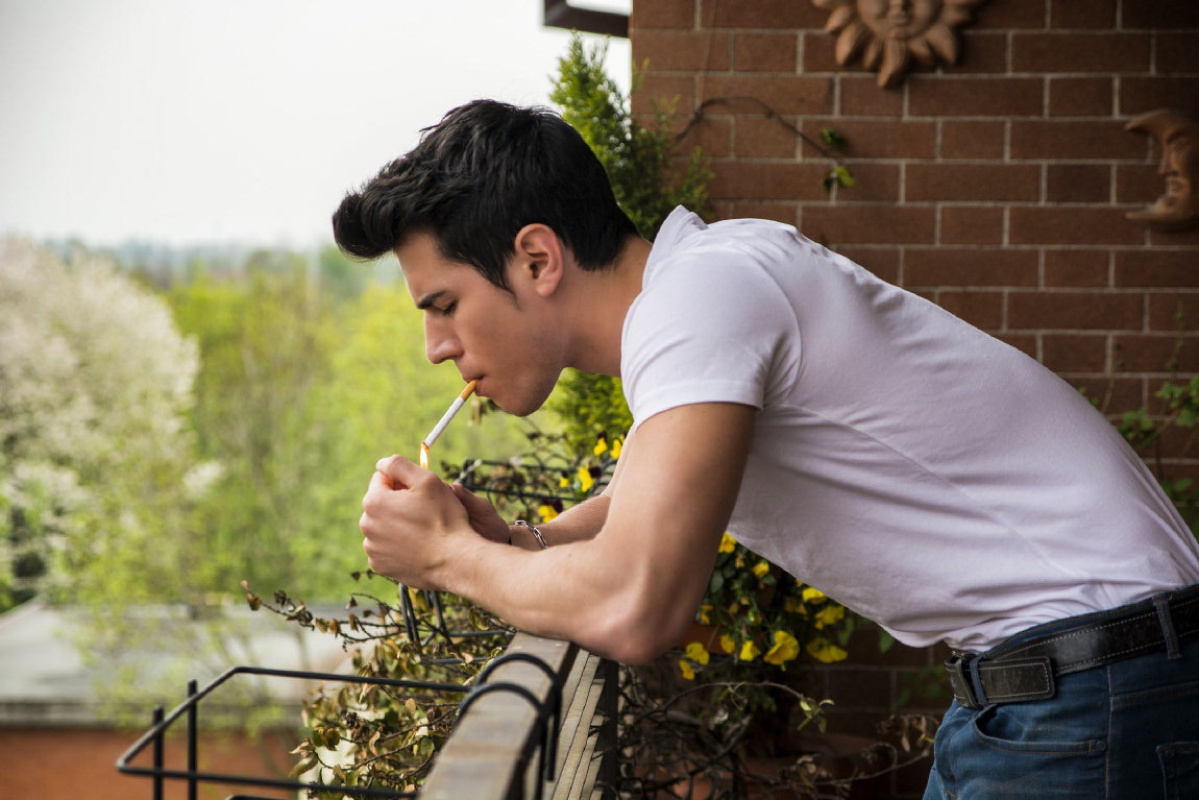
(1177, 134)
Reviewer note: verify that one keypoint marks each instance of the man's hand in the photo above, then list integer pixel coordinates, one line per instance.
(483, 516)
(629, 569)
(410, 519)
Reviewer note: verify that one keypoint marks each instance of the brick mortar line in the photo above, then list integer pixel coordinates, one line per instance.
(971, 31)
(1033, 290)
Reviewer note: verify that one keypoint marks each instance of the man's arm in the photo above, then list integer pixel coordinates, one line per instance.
(630, 591)
(580, 522)
(577, 523)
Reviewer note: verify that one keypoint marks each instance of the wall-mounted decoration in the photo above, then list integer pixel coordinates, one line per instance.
(891, 33)
(1177, 133)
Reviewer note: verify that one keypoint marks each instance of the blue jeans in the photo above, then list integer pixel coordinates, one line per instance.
(1125, 731)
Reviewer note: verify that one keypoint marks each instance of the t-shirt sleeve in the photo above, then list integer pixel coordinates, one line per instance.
(705, 332)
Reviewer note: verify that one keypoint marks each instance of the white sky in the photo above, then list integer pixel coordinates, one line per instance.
(210, 121)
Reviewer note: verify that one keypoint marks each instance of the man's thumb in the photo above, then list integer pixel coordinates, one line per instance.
(398, 469)
(474, 505)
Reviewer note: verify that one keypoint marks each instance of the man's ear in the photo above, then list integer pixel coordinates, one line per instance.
(540, 257)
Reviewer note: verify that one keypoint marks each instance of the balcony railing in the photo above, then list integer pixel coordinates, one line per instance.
(539, 722)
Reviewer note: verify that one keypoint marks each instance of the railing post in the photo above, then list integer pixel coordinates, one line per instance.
(606, 737)
(192, 734)
(159, 716)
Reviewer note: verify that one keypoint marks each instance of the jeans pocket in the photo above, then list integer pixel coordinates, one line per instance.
(1016, 752)
(1036, 729)
(1180, 769)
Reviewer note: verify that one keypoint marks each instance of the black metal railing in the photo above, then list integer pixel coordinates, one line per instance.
(541, 714)
(541, 697)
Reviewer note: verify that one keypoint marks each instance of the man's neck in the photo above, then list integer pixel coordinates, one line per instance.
(600, 301)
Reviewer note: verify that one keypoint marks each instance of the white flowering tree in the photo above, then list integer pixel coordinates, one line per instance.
(95, 386)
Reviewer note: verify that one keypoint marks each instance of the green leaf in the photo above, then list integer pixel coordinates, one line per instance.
(832, 139)
(716, 583)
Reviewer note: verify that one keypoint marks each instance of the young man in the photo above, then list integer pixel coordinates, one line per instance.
(908, 465)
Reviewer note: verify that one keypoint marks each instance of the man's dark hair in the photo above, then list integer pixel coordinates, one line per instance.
(478, 177)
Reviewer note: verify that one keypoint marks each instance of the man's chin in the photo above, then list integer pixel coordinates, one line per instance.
(519, 411)
(519, 407)
(509, 407)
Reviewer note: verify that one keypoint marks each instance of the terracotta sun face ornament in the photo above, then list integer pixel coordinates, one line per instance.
(890, 34)
(1177, 135)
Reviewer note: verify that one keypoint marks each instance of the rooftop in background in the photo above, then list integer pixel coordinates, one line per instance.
(47, 683)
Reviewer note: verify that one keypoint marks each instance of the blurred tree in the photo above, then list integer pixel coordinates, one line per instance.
(265, 344)
(341, 277)
(95, 385)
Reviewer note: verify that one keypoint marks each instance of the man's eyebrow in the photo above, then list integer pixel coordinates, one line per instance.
(428, 300)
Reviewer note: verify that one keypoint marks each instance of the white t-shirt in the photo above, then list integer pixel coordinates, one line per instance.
(917, 470)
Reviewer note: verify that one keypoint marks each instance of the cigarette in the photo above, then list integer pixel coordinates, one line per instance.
(454, 408)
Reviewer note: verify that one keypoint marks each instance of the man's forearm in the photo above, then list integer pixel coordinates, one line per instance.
(576, 524)
(623, 573)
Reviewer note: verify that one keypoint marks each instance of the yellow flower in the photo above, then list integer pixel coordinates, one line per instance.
(685, 668)
(749, 651)
(785, 648)
(830, 615)
(824, 650)
(811, 595)
(563, 482)
(761, 568)
(794, 606)
(697, 653)
(728, 543)
(585, 479)
(601, 446)
(616, 448)
(727, 644)
(546, 512)
(703, 614)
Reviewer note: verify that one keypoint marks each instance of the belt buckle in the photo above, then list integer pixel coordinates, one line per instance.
(957, 666)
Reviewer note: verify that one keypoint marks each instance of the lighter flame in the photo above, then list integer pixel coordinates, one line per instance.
(424, 456)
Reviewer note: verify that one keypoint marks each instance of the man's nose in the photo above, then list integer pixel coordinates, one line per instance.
(440, 345)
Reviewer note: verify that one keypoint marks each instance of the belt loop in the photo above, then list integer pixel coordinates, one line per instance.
(976, 682)
(1162, 604)
(958, 670)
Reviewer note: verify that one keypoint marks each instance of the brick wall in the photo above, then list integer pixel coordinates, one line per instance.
(997, 187)
(46, 763)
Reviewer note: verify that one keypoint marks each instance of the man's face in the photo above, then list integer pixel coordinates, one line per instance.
(490, 334)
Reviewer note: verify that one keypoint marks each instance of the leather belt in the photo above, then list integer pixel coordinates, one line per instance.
(1026, 670)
